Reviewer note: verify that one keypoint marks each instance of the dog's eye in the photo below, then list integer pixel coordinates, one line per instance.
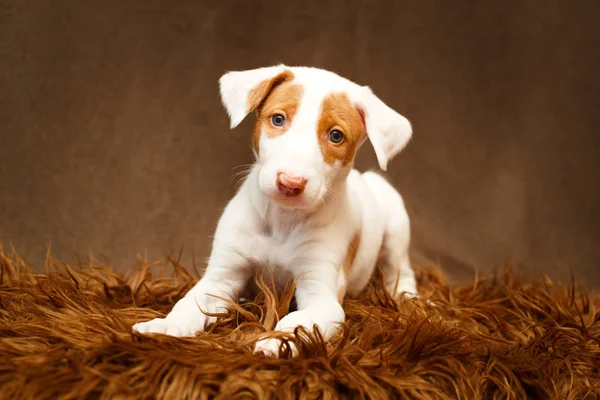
(278, 120)
(336, 136)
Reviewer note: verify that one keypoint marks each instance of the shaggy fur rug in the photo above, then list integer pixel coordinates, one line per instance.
(66, 333)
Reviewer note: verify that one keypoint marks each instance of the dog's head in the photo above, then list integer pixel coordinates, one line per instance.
(310, 123)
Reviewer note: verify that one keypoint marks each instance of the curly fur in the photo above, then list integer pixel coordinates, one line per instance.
(66, 333)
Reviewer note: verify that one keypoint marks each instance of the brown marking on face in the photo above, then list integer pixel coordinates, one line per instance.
(348, 261)
(338, 113)
(260, 91)
(285, 100)
(265, 97)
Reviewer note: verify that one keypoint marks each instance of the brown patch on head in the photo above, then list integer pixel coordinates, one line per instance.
(283, 99)
(348, 261)
(259, 92)
(338, 113)
(274, 96)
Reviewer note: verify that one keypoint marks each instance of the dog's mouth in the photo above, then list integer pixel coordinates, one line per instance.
(286, 201)
(304, 201)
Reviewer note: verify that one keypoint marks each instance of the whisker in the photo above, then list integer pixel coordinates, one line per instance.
(242, 166)
(240, 175)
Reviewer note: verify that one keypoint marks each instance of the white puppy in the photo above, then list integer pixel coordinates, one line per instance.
(303, 211)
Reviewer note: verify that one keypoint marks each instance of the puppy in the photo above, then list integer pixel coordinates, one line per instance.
(303, 211)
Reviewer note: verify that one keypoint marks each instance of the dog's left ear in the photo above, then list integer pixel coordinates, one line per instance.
(243, 91)
(387, 130)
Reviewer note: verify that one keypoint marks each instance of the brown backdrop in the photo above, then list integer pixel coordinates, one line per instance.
(114, 142)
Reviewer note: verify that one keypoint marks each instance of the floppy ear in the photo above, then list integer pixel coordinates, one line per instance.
(387, 130)
(243, 91)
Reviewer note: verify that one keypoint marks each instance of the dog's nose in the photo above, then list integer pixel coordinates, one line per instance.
(290, 185)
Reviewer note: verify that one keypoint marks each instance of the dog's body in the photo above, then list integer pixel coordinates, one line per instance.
(303, 211)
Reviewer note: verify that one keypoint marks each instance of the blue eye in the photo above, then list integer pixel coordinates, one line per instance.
(278, 120)
(336, 136)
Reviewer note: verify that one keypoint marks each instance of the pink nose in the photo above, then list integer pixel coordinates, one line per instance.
(290, 185)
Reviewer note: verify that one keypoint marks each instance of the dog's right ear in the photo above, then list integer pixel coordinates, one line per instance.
(243, 91)
(387, 130)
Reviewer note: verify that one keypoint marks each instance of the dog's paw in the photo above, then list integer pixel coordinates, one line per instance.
(185, 320)
(408, 295)
(414, 296)
(165, 327)
(405, 289)
(270, 347)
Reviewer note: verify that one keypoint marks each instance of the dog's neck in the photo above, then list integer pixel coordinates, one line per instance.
(279, 218)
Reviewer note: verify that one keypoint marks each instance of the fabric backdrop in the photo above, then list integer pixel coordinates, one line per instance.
(113, 141)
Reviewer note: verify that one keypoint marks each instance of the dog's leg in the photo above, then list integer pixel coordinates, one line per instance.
(226, 275)
(316, 297)
(399, 275)
(394, 258)
(209, 295)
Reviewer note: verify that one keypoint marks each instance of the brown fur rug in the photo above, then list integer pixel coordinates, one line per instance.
(66, 333)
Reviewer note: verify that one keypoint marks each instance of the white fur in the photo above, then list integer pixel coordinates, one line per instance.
(306, 238)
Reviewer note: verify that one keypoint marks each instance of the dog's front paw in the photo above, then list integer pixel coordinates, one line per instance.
(185, 320)
(414, 296)
(161, 325)
(270, 347)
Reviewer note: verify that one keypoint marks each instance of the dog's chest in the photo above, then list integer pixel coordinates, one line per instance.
(279, 240)
(276, 249)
